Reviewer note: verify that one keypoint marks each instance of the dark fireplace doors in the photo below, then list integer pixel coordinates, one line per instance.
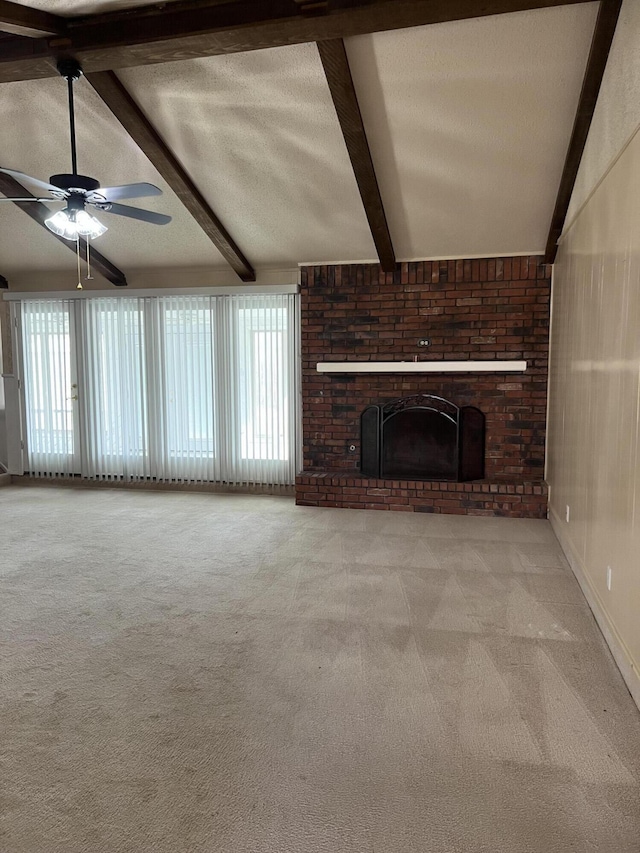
(422, 438)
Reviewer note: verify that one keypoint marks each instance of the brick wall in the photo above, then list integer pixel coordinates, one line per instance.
(353, 491)
(495, 308)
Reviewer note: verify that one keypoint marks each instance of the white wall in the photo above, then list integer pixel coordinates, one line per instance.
(593, 462)
(3, 430)
(163, 277)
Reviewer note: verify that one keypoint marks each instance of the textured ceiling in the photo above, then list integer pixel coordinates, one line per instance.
(34, 138)
(468, 125)
(259, 135)
(69, 8)
(617, 115)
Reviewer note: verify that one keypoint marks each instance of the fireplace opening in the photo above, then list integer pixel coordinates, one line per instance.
(422, 437)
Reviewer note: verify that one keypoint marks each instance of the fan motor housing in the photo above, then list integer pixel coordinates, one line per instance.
(74, 182)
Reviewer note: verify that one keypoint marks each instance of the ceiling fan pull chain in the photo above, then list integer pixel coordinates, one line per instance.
(79, 284)
(89, 276)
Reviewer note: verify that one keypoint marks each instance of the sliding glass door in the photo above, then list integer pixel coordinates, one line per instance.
(186, 434)
(184, 388)
(113, 388)
(50, 387)
(259, 403)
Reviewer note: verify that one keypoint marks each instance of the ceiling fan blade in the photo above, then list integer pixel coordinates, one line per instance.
(11, 198)
(137, 213)
(20, 176)
(128, 191)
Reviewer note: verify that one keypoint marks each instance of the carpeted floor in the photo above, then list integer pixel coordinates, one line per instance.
(189, 673)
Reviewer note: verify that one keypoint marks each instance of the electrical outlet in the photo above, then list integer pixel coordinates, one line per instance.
(567, 514)
(609, 578)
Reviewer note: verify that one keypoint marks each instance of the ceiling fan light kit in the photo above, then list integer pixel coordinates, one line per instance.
(72, 224)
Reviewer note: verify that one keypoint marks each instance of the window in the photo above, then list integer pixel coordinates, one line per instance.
(195, 388)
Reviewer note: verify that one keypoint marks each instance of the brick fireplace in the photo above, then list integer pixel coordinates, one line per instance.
(493, 308)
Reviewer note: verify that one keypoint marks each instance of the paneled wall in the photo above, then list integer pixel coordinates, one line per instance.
(594, 420)
(3, 428)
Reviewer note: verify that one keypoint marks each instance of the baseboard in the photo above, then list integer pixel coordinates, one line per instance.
(621, 654)
(153, 486)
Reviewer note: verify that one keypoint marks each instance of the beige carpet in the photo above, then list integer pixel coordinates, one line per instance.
(185, 673)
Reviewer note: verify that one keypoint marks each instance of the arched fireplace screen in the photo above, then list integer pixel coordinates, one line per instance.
(422, 438)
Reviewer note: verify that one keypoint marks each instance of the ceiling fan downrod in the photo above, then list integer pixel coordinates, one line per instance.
(71, 70)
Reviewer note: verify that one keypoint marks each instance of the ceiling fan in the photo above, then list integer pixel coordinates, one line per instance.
(81, 191)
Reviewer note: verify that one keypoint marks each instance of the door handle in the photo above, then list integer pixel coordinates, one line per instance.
(75, 397)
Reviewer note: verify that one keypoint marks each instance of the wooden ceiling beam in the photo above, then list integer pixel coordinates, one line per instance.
(39, 212)
(600, 46)
(189, 30)
(126, 110)
(336, 68)
(24, 21)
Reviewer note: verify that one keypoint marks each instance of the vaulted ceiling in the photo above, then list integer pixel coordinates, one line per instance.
(468, 125)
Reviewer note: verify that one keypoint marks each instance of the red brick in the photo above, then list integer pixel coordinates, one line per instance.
(390, 319)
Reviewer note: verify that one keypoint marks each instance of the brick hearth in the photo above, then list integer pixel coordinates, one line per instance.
(351, 490)
(495, 308)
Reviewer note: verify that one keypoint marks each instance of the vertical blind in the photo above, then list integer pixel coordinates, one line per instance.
(174, 388)
(50, 383)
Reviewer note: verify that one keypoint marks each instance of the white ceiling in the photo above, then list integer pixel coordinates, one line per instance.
(34, 138)
(259, 135)
(69, 8)
(468, 125)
